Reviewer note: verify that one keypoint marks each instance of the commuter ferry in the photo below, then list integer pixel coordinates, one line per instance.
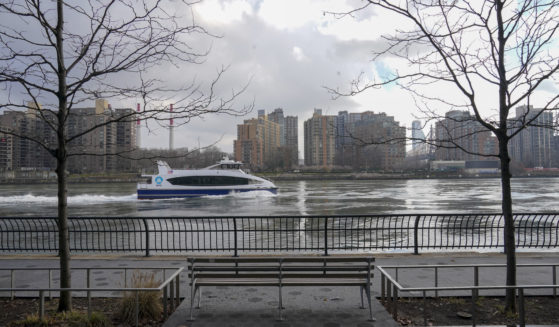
(222, 178)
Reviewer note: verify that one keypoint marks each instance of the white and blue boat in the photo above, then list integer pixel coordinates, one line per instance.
(223, 178)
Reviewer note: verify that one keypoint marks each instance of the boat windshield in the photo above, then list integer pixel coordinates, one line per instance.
(230, 166)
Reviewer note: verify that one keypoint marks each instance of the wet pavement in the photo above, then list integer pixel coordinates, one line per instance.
(257, 306)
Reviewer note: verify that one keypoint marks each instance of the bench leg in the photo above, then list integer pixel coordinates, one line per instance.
(199, 297)
(361, 289)
(193, 290)
(368, 291)
(280, 305)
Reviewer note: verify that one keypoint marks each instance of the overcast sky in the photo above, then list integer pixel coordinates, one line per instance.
(288, 51)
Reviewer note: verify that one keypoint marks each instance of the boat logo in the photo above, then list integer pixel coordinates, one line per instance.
(158, 180)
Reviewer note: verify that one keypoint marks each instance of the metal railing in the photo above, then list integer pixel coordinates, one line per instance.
(391, 288)
(170, 287)
(251, 234)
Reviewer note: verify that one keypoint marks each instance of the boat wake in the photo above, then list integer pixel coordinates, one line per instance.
(81, 199)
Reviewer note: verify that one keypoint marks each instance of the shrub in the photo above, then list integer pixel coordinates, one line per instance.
(149, 303)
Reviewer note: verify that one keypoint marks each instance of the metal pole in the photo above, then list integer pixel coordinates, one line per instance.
(137, 311)
(395, 307)
(554, 280)
(473, 308)
(389, 294)
(165, 302)
(50, 284)
(177, 292)
(476, 282)
(146, 227)
(436, 281)
(325, 236)
(382, 287)
(13, 283)
(424, 308)
(41, 305)
(521, 312)
(416, 235)
(236, 254)
(88, 283)
(172, 294)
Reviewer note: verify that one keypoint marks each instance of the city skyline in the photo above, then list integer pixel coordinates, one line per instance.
(288, 53)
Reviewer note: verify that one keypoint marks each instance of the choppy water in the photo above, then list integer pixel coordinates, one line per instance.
(293, 198)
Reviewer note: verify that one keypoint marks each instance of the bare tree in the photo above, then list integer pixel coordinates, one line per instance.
(490, 56)
(61, 54)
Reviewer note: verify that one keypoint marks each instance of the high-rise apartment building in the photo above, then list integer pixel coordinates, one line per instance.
(533, 145)
(369, 140)
(459, 136)
(6, 150)
(289, 136)
(93, 149)
(417, 134)
(320, 139)
(257, 142)
(26, 154)
(292, 139)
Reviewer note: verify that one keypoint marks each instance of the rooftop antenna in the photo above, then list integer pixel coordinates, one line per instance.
(138, 126)
(171, 135)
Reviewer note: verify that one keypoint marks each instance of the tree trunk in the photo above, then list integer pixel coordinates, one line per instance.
(510, 244)
(65, 303)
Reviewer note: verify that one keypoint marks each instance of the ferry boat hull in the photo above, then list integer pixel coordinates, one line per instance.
(169, 194)
(221, 179)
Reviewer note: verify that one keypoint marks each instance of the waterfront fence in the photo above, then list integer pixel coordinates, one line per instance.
(278, 234)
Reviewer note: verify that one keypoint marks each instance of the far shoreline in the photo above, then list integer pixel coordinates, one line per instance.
(303, 176)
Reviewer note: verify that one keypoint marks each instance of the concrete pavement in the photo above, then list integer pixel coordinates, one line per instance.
(305, 306)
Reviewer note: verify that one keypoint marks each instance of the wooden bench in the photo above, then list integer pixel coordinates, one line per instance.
(281, 272)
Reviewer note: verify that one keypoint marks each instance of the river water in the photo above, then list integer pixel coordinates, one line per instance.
(293, 198)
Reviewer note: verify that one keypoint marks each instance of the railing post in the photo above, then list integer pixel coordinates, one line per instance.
(395, 302)
(521, 312)
(476, 281)
(554, 280)
(424, 308)
(41, 305)
(137, 309)
(88, 285)
(436, 282)
(146, 227)
(325, 236)
(172, 294)
(165, 294)
(416, 235)
(177, 291)
(473, 308)
(13, 283)
(382, 287)
(50, 284)
(236, 253)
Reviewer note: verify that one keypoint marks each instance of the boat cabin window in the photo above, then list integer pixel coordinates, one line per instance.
(208, 181)
(148, 180)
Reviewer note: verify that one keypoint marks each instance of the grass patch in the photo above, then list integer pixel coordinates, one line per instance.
(67, 319)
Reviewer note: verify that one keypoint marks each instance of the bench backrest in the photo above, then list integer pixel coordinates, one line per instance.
(281, 267)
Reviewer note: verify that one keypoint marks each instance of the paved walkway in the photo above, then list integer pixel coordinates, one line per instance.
(306, 306)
